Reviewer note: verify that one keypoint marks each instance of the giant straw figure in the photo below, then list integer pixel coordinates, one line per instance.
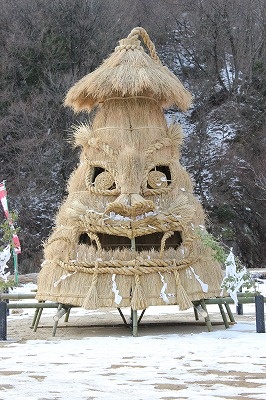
(128, 233)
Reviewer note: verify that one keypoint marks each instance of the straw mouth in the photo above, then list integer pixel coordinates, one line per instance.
(153, 241)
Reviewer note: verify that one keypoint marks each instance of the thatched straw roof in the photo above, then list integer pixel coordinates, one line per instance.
(129, 71)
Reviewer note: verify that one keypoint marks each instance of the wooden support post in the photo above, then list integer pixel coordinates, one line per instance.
(134, 314)
(36, 317)
(37, 320)
(56, 319)
(207, 318)
(239, 307)
(17, 296)
(223, 316)
(141, 315)
(260, 320)
(229, 312)
(6, 290)
(196, 313)
(122, 316)
(3, 320)
(67, 314)
(62, 310)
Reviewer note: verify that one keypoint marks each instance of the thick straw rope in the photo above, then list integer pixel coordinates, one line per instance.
(136, 32)
(165, 142)
(91, 300)
(128, 268)
(134, 268)
(164, 238)
(132, 228)
(103, 146)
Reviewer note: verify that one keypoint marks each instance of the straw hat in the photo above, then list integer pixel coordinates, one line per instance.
(129, 71)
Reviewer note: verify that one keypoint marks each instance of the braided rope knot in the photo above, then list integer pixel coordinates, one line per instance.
(129, 44)
(132, 42)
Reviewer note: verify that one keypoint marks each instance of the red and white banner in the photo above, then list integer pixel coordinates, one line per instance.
(3, 199)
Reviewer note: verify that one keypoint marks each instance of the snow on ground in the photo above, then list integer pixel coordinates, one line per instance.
(166, 363)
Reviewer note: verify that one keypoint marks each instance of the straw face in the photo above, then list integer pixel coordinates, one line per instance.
(130, 216)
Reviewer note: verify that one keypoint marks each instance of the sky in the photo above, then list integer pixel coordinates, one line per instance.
(181, 362)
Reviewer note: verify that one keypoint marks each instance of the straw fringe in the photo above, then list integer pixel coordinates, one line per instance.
(139, 301)
(91, 300)
(181, 295)
(176, 133)
(82, 134)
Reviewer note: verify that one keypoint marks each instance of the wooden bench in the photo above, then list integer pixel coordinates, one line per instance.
(200, 308)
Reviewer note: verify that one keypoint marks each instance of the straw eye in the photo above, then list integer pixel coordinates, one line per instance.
(100, 180)
(159, 177)
(156, 180)
(104, 181)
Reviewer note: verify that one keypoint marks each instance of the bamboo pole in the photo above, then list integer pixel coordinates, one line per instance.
(207, 317)
(226, 324)
(17, 296)
(62, 311)
(3, 323)
(229, 300)
(32, 305)
(134, 313)
(134, 323)
(15, 262)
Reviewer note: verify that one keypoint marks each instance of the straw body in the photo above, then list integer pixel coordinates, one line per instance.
(127, 233)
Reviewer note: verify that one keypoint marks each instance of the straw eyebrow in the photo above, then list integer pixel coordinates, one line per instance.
(104, 147)
(160, 144)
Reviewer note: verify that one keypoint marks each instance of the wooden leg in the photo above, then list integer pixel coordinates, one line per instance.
(34, 317)
(207, 318)
(229, 312)
(37, 317)
(223, 316)
(62, 310)
(196, 313)
(198, 310)
(67, 314)
(134, 314)
(56, 319)
(141, 315)
(122, 316)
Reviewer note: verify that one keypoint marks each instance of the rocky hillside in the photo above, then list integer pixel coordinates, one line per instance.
(216, 47)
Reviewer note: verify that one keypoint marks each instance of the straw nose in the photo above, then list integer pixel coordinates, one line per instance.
(130, 205)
